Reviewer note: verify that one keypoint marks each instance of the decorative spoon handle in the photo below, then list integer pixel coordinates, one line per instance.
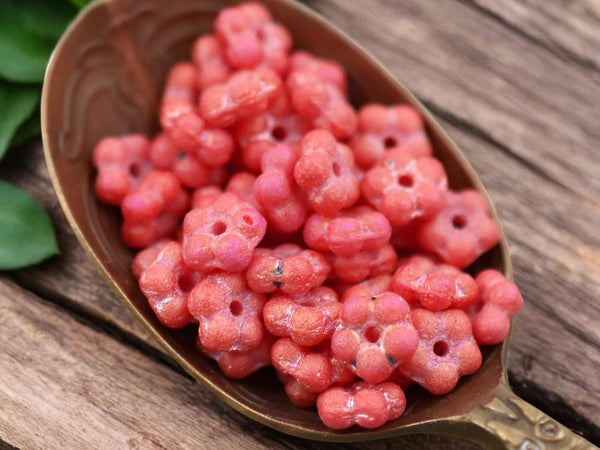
(512, 423)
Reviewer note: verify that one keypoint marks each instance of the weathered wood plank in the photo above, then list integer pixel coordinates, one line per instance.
(513, 91)
(67, 385)
(569, 29)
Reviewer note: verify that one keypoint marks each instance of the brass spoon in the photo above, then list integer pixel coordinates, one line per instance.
(105, 79)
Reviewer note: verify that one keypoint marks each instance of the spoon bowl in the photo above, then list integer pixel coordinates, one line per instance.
(105, 78)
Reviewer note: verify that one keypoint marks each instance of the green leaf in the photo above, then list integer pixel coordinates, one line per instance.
(26, 233)
(46, 19)
(80, 3)
(24, 54)
(17, 103)
(28, 129)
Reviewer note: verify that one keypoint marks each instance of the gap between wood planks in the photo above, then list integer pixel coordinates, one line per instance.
(555, 48)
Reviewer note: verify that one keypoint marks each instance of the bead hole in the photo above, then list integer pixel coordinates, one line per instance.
(134, 170)
(336, 169)
(406, 180)
(218, 228)
(236, 308)
(372, 334)
(389, 142)
(440, 348)
(279, 133)
(459, 222)
(186, 282)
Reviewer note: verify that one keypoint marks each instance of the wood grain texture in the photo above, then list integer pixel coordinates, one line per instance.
(568, 29)
(517, 90)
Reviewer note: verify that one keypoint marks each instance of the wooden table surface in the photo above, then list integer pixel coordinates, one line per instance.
(516, 83)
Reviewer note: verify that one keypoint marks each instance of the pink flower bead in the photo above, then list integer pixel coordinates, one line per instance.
(251, 37)
(228, 312)
(381, 128)
(376, 333)
(287, 267)
(363, 265)
(326, 172)
(349, 232)
(185, 165)
(153, 211)
(447, 350)
(122, 164)
(435, 287)
(461, 231)
(284, 203)
(222, 235)
(361, 404)
(205, 196)
(321, 103)
(499, 301)
(147, 256)
(245, 93)
(166, 283)
(256, 134)
(307, 318)
(241, 364)
(313, 367)
(326, 69)
(178, 110)
(209, 57)
(403, 188)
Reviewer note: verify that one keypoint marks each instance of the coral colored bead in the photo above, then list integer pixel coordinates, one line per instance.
(349, 232)
(122, 164)
(381, 128)
(186, 166)
(251, 37)
(461, 231)
(205, 196)
(153, 211)
(209, 57)
(256, 134)
(376, 333)
(307, 318)
(178, 111)
(166, 283)
(327, 70)
(240, 364)
(296, 392)
(313, 370)
(321, 103)
(283, 202)
(288, 267)
(447, 350)
(403, 188)
(228, 312)
(358, 267)
(361, 404)
(326, 171)
(242, 184)
(435, 287)
(245, 93)
(499, 301)
(222, 235)
(146, 257)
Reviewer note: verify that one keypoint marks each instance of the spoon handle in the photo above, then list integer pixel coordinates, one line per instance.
(512, 423)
